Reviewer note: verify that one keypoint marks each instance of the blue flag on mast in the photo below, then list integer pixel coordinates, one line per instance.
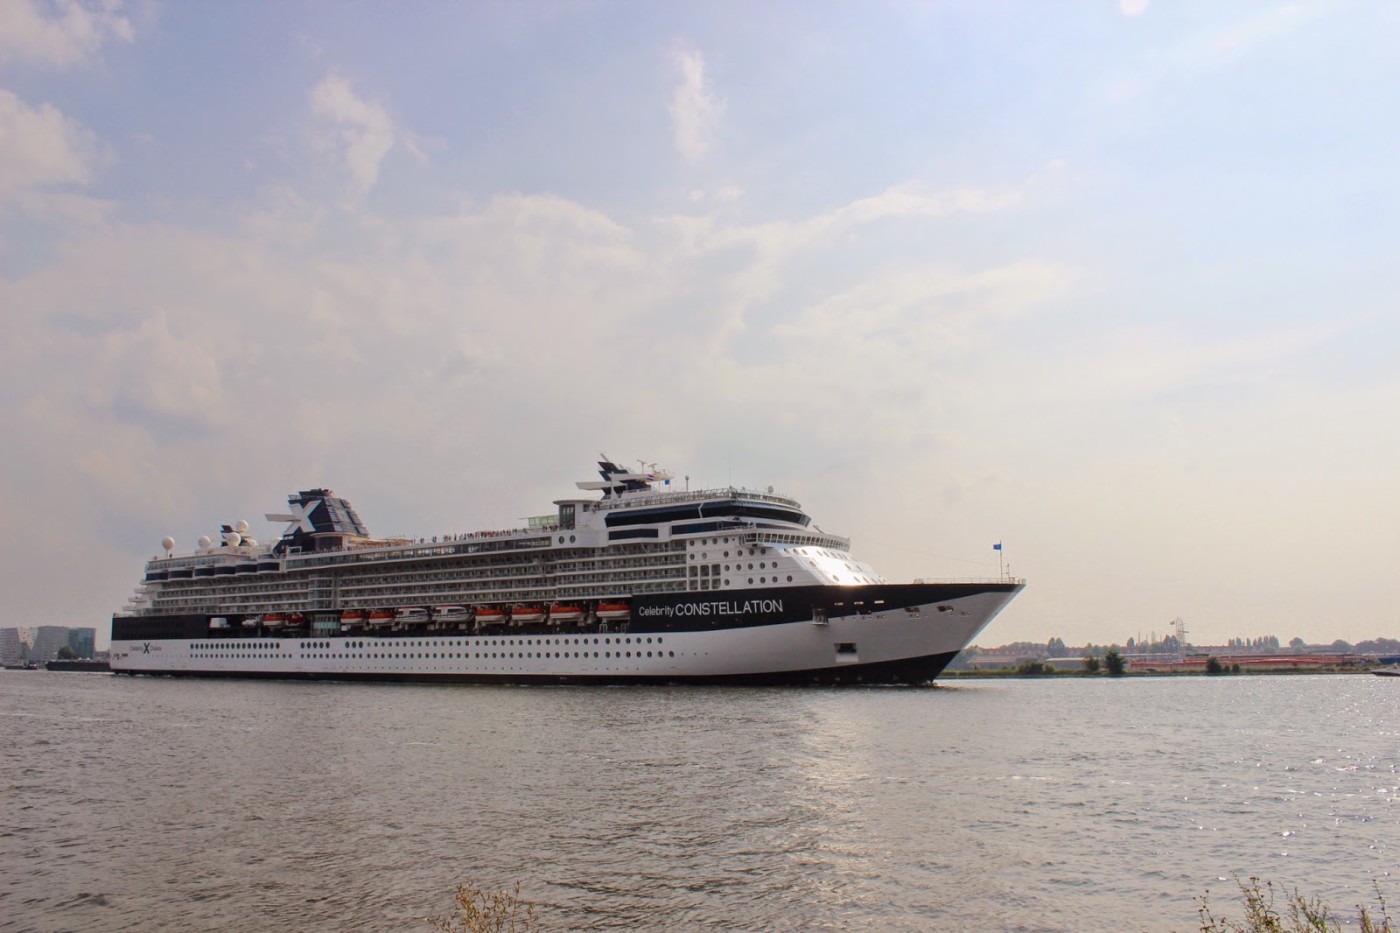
(997, 546)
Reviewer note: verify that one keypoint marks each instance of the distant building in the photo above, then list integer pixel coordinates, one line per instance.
(83, 641)
(11, 646)
(47, 640)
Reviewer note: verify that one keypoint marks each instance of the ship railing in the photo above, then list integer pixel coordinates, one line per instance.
(668, 498)
(979, 581)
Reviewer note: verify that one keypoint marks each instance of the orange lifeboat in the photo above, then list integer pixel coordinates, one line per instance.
(612, 611)
(565, 613)
(489, 615)
(274, 620)
(381, 617)
(352, 617)
(526, 615)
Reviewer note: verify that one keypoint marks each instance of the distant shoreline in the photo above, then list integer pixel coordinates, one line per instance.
(1012, 673)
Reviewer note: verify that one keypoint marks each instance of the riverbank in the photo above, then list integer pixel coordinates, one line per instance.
(1050, 671)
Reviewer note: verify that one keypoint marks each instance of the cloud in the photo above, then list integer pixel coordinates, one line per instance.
(1225, 44)
(695, 110)
(62, 33)
(762, 252)
(359, 132)
(1133, 7)
(42, 153)
(1140, 364)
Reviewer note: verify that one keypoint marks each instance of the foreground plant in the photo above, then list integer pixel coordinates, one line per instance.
(1303, 914)
(481, 911)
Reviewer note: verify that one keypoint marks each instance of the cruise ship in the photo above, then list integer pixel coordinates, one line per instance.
(631, 581)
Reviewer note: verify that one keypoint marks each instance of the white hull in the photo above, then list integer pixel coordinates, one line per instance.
(783, 652)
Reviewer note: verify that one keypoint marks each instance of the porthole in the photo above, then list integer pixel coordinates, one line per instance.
(751, 580)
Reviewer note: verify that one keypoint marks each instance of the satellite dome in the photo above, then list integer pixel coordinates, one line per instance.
(250, 542)
(241, 528)
(233, 539)
(205, 541)
(168, 543)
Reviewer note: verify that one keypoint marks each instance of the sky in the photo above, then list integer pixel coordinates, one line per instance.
(1112, 282)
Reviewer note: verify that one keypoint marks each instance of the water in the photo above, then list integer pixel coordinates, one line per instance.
(151, 804)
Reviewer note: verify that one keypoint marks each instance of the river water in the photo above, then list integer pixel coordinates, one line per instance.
(155, 804)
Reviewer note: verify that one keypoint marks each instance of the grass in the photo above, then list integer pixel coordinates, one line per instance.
(481, 911)
(1300, 914)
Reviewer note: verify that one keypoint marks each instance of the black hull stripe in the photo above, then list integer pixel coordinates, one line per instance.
(904, 671)
(658, 614)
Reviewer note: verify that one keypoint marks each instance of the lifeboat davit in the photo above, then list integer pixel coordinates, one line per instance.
(611, 611)
(526, 615)
(565, 613)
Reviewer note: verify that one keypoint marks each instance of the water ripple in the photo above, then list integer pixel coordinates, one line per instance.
(1023, 805)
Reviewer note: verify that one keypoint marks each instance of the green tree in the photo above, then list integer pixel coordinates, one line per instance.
(1114, 663)
(66, 653)
(1213, 665)
(1091, 664)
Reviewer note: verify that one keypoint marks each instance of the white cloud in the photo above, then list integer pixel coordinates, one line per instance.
(65, 32)
(1226, 43)
(695, 110)
(359, 132)
(1133, 7)
(771, 246)
(42, 154)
